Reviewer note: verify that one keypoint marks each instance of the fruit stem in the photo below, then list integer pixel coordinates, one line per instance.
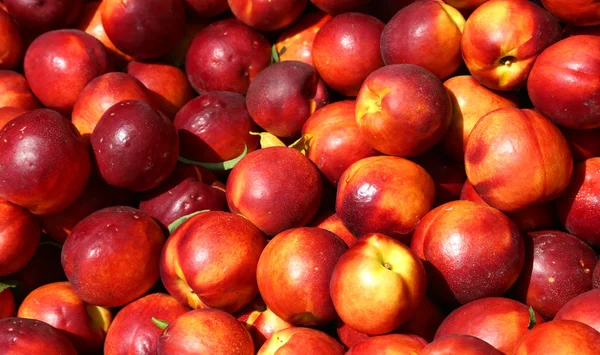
(387, 266)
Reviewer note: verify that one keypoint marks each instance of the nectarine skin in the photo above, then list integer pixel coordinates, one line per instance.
(298, 38)
(44, 16)
(585, 144)
(260, 321)
(259, 187)
(334, 141)
(384, 194)
(19, 237)
(135, 146)
(7, 304)
(85, 325)
(210, 261)
(112, 256)
(339, 43)
(400, 343)
(536, 160)
(403, 110)
(501, 322)
(31, 336)
(331, 221)
(583, 308)
(144, 29)
(578, 206)
(8, 113)
(470, 251)
(11, 43)
(205, 331)
(558, 267)
(459, 344)
(226, 56)
(425, 33)
(205, 9)
(502, 40)
(267, 15)
(44, 164)
(560, 337)
(59, 64)
(578, 12)
(283, 96)
(565, 80)
(297, 340)
(132, 330)
(16, 92)
(337, 6)
(293, 275)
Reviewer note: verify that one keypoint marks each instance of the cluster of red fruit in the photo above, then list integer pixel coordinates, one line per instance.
(299, 177)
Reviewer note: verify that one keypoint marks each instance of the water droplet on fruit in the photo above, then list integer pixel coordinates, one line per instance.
(20, 137)
(10, 329)
(586, 270)
(136, 217)
(101, 140)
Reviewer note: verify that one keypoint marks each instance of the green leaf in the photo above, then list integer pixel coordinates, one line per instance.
(532, 321)
(179, 221)
(274, 55)
(222, 166)
(5, 286)
(160, 323)
(51, 242)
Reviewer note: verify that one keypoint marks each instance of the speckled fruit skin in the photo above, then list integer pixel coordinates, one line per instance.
(226, 56)
(298, 340)
(459, 344)
(16, 92)
(210, 261)
(580, 12)
(8, 113)
(298, 38)
(205, 331)
(101, 94)
(400, 343)
(335, 142)
(383, 194)
(275, 188)
(167, 84)
(536, 160)
(19, 237)
(186, 190)
(46, 16)
(293, 275)
(260, 321)
(90, 22)
(425, 33)
(85, 325)
(403, 110)
(205, 9)
(32, 337)
(560, 337)
(7, 304)
(135, 146)
(214, 127)
(583, 308)
(337, 46)
(132, 330)
(502, 40)
(11, 42)
(558, 267)
(144, 29)
(578, 206)
(470, 251)
(59, 64)
(267, 15)
(564, 82)
(337, 7)
(44, 164)
(377, 285)
(470, 102)
(282, 97)
(535, 217)
(96, 196)
(111, 258)
(501, 322)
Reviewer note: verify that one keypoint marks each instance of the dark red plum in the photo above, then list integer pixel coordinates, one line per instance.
(136, 147)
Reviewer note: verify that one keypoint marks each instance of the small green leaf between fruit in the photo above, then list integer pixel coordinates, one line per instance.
(5, 286)
(180, 221)
(222, 166)
(51, 242)
(160, 323)
(532, 321)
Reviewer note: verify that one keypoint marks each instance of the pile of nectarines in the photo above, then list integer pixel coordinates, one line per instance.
(307, 177)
